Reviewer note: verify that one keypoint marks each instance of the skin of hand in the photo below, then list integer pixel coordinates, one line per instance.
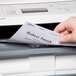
(67, 29)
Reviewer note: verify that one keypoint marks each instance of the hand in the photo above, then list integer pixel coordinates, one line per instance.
(68, 29)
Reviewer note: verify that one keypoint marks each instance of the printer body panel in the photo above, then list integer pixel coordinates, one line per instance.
(66, 62)
(14, 66)
(38, 13)
(31, 65)
(39, 65)
(27, 1)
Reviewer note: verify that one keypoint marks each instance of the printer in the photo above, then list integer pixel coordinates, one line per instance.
(35, 60)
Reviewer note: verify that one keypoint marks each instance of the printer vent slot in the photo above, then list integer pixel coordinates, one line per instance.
(49, 26)
(34, 10)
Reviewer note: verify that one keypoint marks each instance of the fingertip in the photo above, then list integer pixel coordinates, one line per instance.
(59, 28)
(56, 29)
(65, 38)
(61, 39)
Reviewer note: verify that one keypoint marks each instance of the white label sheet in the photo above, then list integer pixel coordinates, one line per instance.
(31, 33)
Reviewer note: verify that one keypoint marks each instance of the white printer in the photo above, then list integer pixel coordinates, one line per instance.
(28, 60)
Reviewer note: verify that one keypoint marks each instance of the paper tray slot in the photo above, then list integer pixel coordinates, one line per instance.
(49, 26)
(9, 30)
(18, 51)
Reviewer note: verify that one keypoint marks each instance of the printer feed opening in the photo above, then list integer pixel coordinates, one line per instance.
(7, 31)
(49, 26)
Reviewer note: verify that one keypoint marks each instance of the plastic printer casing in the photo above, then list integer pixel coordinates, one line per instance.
(23, 60)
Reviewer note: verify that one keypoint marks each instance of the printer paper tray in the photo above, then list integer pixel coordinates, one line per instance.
(9, 50)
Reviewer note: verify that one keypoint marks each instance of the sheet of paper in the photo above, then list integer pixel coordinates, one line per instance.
(31, 33)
